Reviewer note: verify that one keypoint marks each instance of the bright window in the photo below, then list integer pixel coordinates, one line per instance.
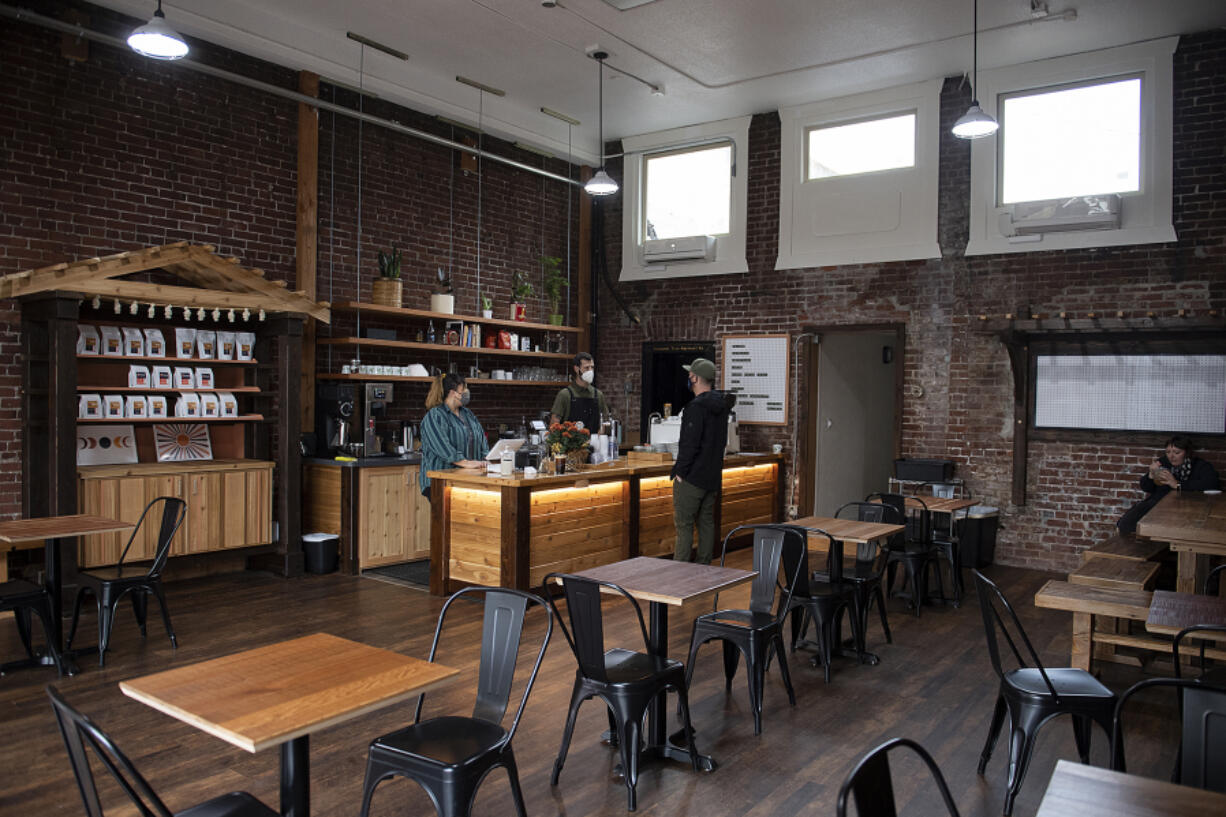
(688, 192)
(861, 147)
(1076, 141)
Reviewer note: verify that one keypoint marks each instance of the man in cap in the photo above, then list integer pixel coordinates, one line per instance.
(700, 461)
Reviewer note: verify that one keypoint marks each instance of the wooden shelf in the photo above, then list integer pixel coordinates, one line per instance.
(388, 378)
(242, 418)
(405, 312)
(103, 389)
(169, 361)
(439, 347)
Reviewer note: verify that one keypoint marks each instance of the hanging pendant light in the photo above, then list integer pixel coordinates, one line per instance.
(156, 39)
(601, 184)
(975, 124)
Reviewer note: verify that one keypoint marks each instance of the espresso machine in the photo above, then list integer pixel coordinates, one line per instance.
(334, 405)
(376, 397)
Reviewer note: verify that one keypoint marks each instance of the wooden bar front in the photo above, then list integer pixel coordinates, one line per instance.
(512, 531)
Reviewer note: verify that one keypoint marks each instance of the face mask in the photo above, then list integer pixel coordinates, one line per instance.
(689, 384)
(465, 397)
(588, 376)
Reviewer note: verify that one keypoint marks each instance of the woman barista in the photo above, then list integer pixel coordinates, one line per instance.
(451, 436)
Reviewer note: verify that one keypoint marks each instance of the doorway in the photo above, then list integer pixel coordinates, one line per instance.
(857, 411)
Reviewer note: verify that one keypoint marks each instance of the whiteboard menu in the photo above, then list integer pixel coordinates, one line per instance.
(756, 370)
(1169, 393)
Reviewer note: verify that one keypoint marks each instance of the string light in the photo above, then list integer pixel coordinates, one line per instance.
(261, 313)
(187, 313)
(216, 314)
(134, 308)
(152, 311)
(97, 302)
(230, 316)
(170, 311)
(246, 314)
(117, 306)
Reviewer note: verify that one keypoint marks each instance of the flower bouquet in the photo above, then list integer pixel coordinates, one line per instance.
(570, 441)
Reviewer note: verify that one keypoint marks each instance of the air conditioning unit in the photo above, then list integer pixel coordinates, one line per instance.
(690, 248)
(1061, 215)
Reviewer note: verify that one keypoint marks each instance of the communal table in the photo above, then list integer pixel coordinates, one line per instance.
(665, 584)
(53, 530)
(1077, 790)
(1171, 612)
(277, 695)
(1194, 525)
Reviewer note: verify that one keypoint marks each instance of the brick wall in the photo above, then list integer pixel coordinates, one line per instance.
(961, 374)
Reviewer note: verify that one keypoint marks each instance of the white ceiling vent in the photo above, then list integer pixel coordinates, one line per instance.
(690, 248)
(1061, 215)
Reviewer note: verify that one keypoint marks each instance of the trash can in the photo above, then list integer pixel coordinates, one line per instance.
(321, 551)
(977, 535)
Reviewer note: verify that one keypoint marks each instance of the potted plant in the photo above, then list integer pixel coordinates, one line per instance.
(443, 299)
(387, 288)
(487, 306)
(520, 290)
(555, 279)
(566, 440)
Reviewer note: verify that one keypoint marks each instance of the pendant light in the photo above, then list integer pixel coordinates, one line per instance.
(975, 124)
(601, 184)
(158, 40)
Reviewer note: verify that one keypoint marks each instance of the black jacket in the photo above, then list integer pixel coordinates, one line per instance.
(704, 435)
(1202, 478)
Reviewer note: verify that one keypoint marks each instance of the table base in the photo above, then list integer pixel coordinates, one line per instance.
(42, 659)
(296, 777)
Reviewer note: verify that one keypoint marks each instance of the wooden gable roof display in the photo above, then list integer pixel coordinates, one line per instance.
(215, 282)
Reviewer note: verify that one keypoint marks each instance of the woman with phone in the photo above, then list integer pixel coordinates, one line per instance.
(1177, 469)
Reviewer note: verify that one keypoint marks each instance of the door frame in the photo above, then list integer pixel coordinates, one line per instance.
(805, 477)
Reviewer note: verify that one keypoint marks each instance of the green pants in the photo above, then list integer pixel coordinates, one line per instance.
(692, 504)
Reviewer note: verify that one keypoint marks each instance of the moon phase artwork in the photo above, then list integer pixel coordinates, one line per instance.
(106, 445)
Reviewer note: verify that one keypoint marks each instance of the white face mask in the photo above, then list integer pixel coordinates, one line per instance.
(588, 376)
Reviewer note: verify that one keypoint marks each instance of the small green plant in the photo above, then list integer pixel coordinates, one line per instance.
(487, 303)
(443, 287)
(389, 263)
(521, 288)
(555, 279)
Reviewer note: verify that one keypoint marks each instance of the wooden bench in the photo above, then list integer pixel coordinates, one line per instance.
(1125, 546)
(1116, 574)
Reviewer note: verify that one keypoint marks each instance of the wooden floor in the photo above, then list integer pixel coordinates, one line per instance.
(934, 684)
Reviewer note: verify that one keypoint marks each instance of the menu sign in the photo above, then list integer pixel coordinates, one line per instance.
(756, 370)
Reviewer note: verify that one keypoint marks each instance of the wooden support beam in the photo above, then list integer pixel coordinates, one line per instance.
(583, 294)
(68, 276)
(308, 232)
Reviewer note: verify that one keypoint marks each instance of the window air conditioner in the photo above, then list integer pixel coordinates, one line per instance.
(1061, 215)
(690, 248)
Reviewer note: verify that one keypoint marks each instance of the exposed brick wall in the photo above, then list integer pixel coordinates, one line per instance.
(958, 390)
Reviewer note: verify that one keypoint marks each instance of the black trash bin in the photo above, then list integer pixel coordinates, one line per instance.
(322, 551)
(977, 535)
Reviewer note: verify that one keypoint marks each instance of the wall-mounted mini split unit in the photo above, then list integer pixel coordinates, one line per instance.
(1061, 215)
(690, 248)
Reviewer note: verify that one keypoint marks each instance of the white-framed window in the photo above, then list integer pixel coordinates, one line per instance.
(859, 178)
(682, 183)
(1076, 132)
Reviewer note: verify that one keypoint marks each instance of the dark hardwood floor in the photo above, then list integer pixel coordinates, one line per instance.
(934, 684)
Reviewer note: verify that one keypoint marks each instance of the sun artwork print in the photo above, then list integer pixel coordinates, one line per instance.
(182, 441)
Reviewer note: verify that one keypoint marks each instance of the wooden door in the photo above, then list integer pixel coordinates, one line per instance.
(204, 513)
(247, 507)
(419, 510)
(385, 516)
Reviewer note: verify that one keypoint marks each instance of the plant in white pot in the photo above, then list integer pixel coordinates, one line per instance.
(386, 290)
(443, 299)
(555, 279)
(487, 306)
(520, 290)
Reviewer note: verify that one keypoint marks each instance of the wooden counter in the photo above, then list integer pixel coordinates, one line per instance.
(511, 531)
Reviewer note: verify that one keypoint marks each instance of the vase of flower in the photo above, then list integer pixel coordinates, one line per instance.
(570, 441)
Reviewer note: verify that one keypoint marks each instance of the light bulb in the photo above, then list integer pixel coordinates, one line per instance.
(216, 314)
(246, 314)
(170, 311)
(187, 313)
(152, 310)
(261, 313)
(96, 302)
(230, 316)
(132, 310)
(118, 308)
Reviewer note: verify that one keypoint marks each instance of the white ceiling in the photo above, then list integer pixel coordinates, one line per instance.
(714, 58)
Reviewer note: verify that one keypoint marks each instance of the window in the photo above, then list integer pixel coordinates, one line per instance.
(686, 182)
(688, 192)
(1084, 125)
(858, 179)
(1071, 141)
(861, 147)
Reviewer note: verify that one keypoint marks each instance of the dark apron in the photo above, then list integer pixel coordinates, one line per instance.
(585, 409)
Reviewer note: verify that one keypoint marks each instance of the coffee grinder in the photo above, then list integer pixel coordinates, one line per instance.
(375, 400)
(334, 404)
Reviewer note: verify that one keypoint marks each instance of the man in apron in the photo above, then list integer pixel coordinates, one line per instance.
(580, 400)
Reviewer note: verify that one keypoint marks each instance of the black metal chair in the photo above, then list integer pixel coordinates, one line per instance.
(1213, 580)
(822, 601)
(110, 585)
(1215, 675)
(872, 787)
(756, 630)
(450, 756)
(1201, 760)
(944, 534)
(867, 573)
(81, 734)
(915, 552)
(1033, 695)
(627, 681)
(24, 598)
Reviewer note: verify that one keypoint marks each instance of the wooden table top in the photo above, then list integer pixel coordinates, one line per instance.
(1088, 791)
(54, 527)
(938, 504)
(848, 530)
(663, 580)
(1189, 516)
(1171, 612)
(269, 695)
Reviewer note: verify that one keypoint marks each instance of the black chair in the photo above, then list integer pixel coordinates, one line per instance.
(867, 573)
(1201, 760)
(822, 601)
(81, 734)
(23, 598)
(915, 552)
(1213, 580)
(449, 756)
(627, 681)
(1033, 695)
(756, 630)
(1215, 675)
(944, 534)
(872, 787)
(110, 585)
